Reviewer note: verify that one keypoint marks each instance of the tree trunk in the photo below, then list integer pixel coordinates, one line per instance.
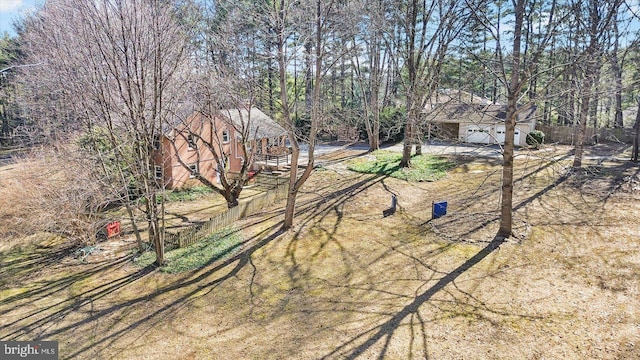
(617, 73)
(280, 14)
(506, 206)
(582, 119)
(636, 136)
(593, 108)
(154, 228)
(5, 119)
(412, 67)
(232, 200)
(134, 225)
(270, 73)
(591, 63)
(374, 144)
(290, 208)
(406, 148)
(295, 182)
(308, 77)
(374, 137)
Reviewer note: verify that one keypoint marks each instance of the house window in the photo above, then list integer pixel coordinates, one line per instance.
(194, 170)
(156, 142)
(225, 136)
(191, 140)
(158, 172)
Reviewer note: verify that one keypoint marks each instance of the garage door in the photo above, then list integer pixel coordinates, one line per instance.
(478, 134)
(500, 135)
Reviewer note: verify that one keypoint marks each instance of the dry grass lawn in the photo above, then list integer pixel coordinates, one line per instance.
(348, 283)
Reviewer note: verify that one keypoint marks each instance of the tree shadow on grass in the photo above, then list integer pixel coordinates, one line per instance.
(16, 264)
(606, 180)
(28, 326)
(30, 323)
(451, 224)
(240, 260)
(313, 212)
(22, 267)
(384, 332)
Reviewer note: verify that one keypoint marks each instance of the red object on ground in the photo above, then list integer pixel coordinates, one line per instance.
(251, 176)
(113, 229)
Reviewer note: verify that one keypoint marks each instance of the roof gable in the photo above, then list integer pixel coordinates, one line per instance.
(260, 125)
(457, 111)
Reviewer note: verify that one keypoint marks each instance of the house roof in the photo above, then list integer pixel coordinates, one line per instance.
(446, 96)
(260, 125)
(453, 106)
(182, 113)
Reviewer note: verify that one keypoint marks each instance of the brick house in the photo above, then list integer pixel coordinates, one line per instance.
(196, 144)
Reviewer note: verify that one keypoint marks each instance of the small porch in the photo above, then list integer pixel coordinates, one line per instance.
(276, 158)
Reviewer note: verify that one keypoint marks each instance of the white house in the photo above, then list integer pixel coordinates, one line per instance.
(471, 119)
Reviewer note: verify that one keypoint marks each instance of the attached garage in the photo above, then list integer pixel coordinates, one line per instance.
(479, 134)
(501, 132)
(479, 120)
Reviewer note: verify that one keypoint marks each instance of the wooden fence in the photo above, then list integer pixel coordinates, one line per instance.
(246, 208)
(566, 134)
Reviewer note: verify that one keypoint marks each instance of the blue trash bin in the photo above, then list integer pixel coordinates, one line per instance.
(439, 209)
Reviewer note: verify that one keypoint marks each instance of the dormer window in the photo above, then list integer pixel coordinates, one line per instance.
(226, 137)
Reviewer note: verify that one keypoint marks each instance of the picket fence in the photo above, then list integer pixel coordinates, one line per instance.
(245, 208)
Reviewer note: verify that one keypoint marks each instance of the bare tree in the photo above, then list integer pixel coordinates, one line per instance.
(209, 131)
(283, 17)
(595, 18)
(515, 77)
(428, 29)
(119, 62)
(225, 87)
(376, 53)
(40, 194)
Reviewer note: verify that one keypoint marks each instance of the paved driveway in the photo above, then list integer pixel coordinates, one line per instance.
(616, 152)
(448, 148)
(436, 148)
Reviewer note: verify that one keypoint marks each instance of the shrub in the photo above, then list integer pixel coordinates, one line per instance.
(186, 194)
(535, 138)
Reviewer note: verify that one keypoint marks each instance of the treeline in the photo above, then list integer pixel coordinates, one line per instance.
(367, 49)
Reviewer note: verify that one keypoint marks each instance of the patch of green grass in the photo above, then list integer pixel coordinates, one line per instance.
(423, 167)
(184, 194)
(217, 246)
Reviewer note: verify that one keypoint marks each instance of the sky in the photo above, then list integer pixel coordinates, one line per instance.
(11, 10)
